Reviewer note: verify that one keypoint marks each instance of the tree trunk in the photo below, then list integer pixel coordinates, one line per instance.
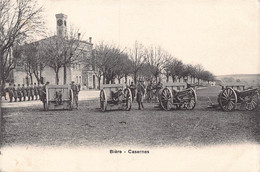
(57, 77)
(64, 75)
(31, 78)
(119, 80)
(135, 78)
(126, 79)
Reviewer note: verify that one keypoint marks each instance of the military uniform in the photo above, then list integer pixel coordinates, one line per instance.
(28, 91)
(10, 92)
(75, 93)
(32, 92)
(15, 88)
(19, 93)
(36, 92)
(23, 90)
(132, 89)
(140, 94)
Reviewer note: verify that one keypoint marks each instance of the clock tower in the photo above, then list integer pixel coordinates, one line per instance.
(61, 24)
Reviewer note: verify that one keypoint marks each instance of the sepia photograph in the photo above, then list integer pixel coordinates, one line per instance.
(127, 85)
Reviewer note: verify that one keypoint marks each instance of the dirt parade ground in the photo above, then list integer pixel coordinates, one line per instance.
(27, 123)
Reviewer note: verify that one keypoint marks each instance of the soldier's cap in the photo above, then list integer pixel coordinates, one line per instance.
(72, 82)
(18, 84)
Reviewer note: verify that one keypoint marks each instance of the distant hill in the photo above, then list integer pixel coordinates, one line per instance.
(248, 79)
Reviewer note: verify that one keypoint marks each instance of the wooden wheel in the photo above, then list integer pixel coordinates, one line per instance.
(252, 101)
(192, 99)
(128, 99)
(71, 99)
(228, 99)
(165, 99)
(103, 100)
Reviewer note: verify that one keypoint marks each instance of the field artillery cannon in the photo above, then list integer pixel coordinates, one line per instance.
(115, 95)
(58, 97)
(178, 95)
(233, 95)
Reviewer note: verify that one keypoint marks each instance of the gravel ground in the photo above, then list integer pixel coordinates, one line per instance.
(88, 126)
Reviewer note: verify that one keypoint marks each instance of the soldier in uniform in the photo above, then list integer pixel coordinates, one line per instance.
(159, 86)
(75, 92)
(32, 92)
(3, 92)
(23, 90)
(40, 91)
(10, 92)
(28, 92)
(140, 94)
(149, 91)
(132, 89)
(36, 92)
(15, 93)
(19, 93)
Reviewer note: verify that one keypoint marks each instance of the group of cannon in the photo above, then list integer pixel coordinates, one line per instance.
(179, 96)
(171, 96)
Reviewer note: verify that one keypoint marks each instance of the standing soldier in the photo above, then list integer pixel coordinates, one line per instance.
(28, 92)
(132, 89)
(149, 91)
(19, 92)
(159, 86)
(11, 92)
(15, 93)
(140, 93)
(40, 91)
(3, 92)
(32, 91)
(23, 89)
(75, 92)
(35, 89)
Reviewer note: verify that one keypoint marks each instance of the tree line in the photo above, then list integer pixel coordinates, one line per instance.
(147, 62)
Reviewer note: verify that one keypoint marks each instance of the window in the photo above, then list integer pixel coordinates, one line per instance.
(77, 79)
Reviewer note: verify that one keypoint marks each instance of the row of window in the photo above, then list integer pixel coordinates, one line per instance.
(78, 79)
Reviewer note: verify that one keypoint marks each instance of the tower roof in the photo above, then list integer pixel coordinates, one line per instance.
(61, 15)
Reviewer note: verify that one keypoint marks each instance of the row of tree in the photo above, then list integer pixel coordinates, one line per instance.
(147, 62)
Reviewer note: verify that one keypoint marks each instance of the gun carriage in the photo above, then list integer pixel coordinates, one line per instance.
(177, 95)
(115, 95)
(233, 96)
(58, 97)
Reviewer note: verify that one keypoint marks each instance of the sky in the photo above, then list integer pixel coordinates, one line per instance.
(221, 35)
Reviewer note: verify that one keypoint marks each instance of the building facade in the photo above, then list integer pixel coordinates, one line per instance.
(81, 73)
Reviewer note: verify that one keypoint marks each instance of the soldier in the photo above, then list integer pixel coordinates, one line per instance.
(10, 92)
(132, 89)
(140, 93)
(149, 91)
(32, 91)
(15, 93)
(19, 93)
(159, 86)
(40, 90)
(3, 92)
(23, 90)
(75, 92)
(36, 92)
(28, 91)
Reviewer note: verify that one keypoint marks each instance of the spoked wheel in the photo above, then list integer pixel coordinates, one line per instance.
(71, 100)
(192, 99)
(252, 101)
(165, 99)
(103, 100)
(228, 99)
(128, 99)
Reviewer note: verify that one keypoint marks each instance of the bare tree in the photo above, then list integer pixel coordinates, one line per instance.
(20, 20)
(106, 59)
(60, 52)
(156, 58)
(138, 59)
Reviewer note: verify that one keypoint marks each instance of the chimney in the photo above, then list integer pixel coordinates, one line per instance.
(78, 35)
(90, 39)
